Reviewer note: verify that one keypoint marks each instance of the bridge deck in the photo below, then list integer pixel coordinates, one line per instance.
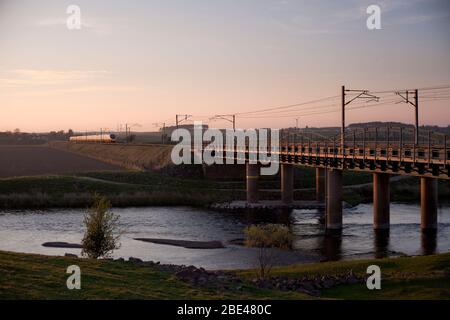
(420, 160)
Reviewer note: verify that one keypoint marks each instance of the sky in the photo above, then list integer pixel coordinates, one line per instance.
(143, 62)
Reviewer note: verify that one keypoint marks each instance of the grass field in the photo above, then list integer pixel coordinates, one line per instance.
(27, 276)
(78, 191)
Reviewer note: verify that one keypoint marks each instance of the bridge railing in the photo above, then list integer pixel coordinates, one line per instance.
(369, 143)
(387, 142)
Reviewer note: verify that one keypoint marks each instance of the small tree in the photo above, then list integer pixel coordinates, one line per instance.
(102, 233)
(268, 238)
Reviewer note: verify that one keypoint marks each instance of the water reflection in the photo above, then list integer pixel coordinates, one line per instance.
(26, 231)
(359, 239)
(281, 216)
(381, 243)
(429, 242)
(331, 247)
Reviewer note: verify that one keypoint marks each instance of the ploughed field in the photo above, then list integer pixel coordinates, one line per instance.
(40, 160)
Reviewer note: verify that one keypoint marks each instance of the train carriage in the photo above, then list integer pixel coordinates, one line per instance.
(104, 138)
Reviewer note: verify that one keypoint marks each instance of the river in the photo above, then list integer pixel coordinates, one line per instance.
(25, 231)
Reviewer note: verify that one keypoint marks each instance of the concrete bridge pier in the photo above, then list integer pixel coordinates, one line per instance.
(428, 203)
(320, 184)
(381, 201)
(287, 184)
(334, 200)
(252, 182)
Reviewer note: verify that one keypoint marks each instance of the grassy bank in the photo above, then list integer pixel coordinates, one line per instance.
(152, 156)
(420, 277)
(357, 185)
(406, 190)
(27, 276)
(78, 191)
(144, 188)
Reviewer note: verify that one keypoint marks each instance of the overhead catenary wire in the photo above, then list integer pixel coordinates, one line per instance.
(313, 107)
(335, 110)
(287, 106)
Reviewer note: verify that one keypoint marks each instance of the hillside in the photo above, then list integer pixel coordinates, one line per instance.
(135, 157)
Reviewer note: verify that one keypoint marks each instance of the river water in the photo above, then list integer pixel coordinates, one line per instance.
(25, 231)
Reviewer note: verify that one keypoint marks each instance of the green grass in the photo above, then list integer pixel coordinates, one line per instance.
(30, 276)
(59, 185)
(138, 188)
(421, 277)
(27, 276)
(108, 182)
(421, 265)
(412, 289)
(78, 191)
(149, 179)
(305, 178)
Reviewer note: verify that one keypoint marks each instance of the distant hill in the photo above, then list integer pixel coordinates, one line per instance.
(377, 124)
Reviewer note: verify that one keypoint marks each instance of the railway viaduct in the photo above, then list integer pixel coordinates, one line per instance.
(382, 151)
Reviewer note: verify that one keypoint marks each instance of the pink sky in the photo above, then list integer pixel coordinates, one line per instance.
(144, 62)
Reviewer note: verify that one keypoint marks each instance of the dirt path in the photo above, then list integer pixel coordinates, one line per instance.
(109, 181)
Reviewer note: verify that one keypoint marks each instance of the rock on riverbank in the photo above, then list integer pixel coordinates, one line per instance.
(221, 280)
(58, 244)
(189, 244)
(269, 206)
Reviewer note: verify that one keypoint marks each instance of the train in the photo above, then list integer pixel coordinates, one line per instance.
(141, 137)
(97, 138)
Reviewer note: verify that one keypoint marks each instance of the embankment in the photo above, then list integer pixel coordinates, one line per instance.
(149, 157)
(135, 157)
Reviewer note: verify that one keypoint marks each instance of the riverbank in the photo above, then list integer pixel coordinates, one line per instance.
(30, 276)
(77, 191)
(137, 188)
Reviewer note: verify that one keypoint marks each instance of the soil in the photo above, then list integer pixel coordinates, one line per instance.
(41, 160)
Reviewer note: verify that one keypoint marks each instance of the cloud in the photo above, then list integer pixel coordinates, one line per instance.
(303, 29)
(76, 90)
(51, 82)
(394, 5)
(59, 22)
(39, 77)
(335, 18)
(418, 18)
(407, 12)
(97, 26)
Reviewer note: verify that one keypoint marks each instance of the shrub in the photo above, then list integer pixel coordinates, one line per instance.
(267, 238)
(102, 233)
